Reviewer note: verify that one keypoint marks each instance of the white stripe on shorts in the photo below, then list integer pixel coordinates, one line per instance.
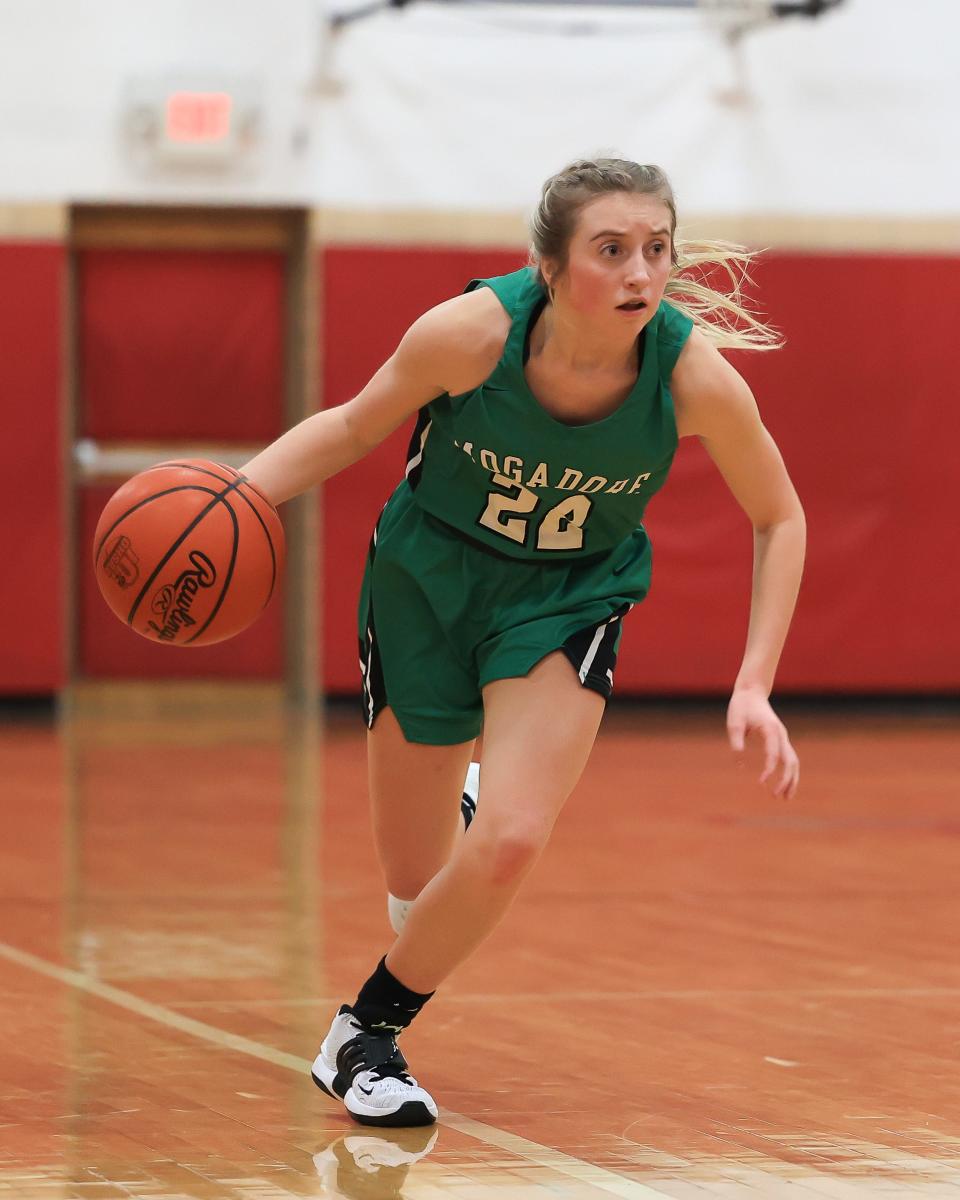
(591, 653)
(367, 673)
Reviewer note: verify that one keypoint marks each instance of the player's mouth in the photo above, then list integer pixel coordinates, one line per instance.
(632, 306)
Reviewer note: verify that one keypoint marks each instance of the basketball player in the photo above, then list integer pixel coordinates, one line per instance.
(550, 402)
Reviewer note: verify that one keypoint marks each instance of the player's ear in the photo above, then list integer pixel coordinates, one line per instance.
(548, 272)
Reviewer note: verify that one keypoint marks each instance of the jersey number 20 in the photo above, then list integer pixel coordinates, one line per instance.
(560, 528)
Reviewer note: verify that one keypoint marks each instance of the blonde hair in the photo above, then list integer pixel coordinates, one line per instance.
(722, 313)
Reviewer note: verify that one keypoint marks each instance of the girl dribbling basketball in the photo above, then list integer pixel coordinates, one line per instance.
(550, 403)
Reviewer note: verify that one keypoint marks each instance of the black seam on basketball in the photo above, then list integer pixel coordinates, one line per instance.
(183, 487)
(179, 542)
(253, 487)
(266, 534)
(185, 466)
(226, 582)
(188, 466)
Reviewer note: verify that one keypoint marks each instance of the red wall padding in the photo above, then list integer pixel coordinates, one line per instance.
(177, 345)
(861, 404)
(31, 524)
(183, 344)
(860, 401)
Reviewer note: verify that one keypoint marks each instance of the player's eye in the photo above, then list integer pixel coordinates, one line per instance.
(658, 247)
(611, 246)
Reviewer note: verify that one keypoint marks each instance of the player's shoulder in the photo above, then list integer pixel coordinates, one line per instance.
(674, 327)
(463, 336)
(477, 313)
(705, 386)
(702, 368)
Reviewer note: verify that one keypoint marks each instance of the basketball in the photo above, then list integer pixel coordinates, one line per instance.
(188, 553)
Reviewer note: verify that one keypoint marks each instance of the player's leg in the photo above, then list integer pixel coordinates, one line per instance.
(422, 703)
(423, 714)
(538, 733)
(415, 792)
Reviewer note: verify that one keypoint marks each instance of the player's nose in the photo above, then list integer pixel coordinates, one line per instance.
(636, 272)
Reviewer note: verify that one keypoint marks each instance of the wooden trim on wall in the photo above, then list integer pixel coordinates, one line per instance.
(301, 517)
(34, 222)
(280, 230)
(831, 235)
(69, 401)
(814, 234)
(139, 227)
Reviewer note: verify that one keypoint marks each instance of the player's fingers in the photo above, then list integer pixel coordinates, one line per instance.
(735, 732)
(790, 775)
(771, 749)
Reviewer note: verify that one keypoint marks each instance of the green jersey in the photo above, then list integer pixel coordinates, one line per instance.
(497, 467)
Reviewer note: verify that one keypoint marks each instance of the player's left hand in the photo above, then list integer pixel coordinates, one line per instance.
(749, 711)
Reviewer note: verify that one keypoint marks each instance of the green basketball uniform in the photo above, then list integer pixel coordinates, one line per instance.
(513, 534)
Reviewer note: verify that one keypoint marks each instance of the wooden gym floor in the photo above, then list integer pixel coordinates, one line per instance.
(702, 992)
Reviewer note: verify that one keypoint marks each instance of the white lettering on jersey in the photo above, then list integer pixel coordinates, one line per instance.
(571, 479)
(539, 478)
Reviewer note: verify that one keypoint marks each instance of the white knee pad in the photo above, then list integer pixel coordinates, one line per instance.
(398, 910)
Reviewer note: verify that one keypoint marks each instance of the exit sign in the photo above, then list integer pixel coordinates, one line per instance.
(203, 121)
(198, 116)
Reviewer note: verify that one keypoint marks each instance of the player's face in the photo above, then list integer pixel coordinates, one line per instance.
(619, 260)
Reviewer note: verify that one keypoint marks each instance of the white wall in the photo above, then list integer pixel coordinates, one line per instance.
(65, 66)
(448, 107)
(854, 113)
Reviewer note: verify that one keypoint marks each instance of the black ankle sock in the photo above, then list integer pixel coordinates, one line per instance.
(468, 808)
(385, 1003)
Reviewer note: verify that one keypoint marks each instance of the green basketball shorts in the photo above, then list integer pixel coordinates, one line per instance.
(441, 617)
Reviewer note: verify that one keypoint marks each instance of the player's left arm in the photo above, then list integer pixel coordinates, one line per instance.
(714, 403)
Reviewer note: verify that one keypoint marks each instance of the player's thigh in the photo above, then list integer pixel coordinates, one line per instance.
(415, 792)
(538, 734)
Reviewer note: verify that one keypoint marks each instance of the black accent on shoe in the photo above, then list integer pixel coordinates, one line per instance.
(468, 807)
(339, 1087)
(409, 1114)
(375, 1052)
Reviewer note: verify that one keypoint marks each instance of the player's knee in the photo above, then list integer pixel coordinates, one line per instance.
(511, 852)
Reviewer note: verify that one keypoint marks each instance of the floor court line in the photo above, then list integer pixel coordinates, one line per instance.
(563, 1164)
(598, 996)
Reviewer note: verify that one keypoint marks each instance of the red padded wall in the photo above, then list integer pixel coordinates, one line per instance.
(31, 524)
(861, 404)
(176, 344)
(860, 401)
(181, 344)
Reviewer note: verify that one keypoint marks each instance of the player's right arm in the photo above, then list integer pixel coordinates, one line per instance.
(451, 348)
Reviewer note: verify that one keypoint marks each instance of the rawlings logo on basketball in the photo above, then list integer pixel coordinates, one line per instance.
(120, 563)
(173, 602)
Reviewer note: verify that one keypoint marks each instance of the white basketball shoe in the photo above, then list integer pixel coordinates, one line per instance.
(398, 909)
(365, 1069)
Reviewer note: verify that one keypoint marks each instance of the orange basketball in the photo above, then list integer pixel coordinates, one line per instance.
(188, 553)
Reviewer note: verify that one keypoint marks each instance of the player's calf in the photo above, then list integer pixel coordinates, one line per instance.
(397, 908)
